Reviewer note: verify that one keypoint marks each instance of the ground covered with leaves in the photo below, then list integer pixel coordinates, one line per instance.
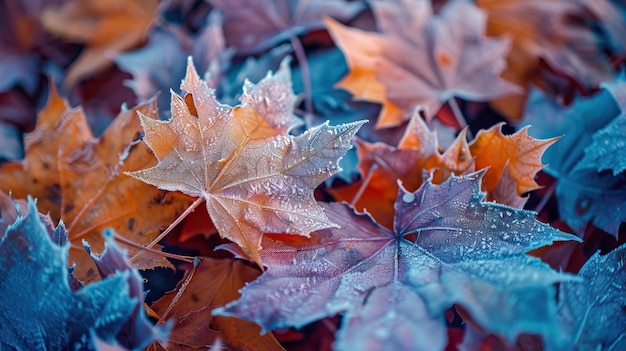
(313, 175)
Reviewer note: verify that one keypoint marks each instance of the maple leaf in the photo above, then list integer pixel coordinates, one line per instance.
(589, 189)
(105, 27)
(254, 177)
(37, 298)
(591, 311)
(78, 178)
(518, 152)
(270, 22)
(427, 62)
(557, 32)
(447, 247)
(214, 283)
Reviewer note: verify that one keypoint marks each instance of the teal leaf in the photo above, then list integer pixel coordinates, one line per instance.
(592, 312)
(38, 310)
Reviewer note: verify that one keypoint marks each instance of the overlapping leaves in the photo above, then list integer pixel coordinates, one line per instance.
(44, 307)
(447, 247)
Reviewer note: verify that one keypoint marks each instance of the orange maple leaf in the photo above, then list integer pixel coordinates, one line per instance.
(254, 177)
(421, 59)
(79, 178)
(106, 27)
(518, 152)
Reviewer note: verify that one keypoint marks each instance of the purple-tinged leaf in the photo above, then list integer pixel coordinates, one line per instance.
(448, 247)
(394, 318)
(252, 26)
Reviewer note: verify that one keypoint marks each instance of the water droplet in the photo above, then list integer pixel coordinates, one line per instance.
(408, 197)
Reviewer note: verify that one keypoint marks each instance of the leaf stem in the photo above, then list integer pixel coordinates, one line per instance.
(125, 241)
(180, 291)
(304, 70)
(546, 197)
(169, 228)
(458, 116)
(364, 183)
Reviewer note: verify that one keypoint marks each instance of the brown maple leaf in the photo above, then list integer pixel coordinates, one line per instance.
(105, 27)
(254, 177)
(79, 178)
(422, 59)
(214, 283)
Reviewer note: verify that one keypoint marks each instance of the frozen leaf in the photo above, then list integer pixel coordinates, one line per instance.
(394, 318)
(505, 191)
(79, 178)
(593, 312)
(447, 247)
(38, 308)
(591, 197)
(10, 209)
(268, 22)
(607, 150)
(427, 62)
(105, 27)
(254, 177)
(214, 283)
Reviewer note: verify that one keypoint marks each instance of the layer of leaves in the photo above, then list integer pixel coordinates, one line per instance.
(559, 32)
(79, 178)
(513, 161)
(588, 160)
(254, 177)
(447, 247)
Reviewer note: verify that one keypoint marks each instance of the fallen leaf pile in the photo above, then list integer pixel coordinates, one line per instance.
(313, 175)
